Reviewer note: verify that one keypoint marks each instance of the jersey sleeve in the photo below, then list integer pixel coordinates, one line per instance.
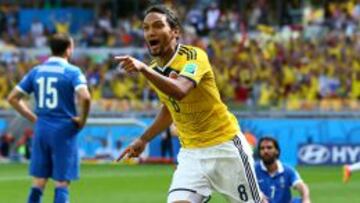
(195, 69)
(294, 177)
(26, 84)
(78, 80)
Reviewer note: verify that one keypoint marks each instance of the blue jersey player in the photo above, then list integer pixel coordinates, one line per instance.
(56, 84)
(277, 179)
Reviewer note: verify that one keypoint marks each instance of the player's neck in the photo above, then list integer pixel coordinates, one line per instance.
(168, 54)
(63, 57)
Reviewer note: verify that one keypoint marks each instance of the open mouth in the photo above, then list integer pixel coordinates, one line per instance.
(153, 43)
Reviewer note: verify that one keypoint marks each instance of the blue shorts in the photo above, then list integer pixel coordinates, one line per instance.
(54, 150)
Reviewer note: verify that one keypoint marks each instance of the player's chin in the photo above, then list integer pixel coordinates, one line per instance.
(155, 52)
(268, 160)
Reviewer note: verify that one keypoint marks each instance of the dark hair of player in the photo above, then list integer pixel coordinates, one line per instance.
(171, 16)
(59, 43)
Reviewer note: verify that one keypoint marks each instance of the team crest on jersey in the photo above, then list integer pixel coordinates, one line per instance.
(282, 181)
(190, 68)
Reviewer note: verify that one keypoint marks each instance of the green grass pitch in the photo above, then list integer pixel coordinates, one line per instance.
(149, 184)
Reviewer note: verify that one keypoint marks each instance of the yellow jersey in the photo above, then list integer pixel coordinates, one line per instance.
(201, 118)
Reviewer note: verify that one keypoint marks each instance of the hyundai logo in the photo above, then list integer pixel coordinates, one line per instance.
(314, 154)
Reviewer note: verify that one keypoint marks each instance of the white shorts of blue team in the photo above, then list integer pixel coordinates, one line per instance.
(226, 168)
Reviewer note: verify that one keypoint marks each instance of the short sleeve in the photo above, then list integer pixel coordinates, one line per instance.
(196, 69)
(26, 84)
(294, 177)
(78, 80)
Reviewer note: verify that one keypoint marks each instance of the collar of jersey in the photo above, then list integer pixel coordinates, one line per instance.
(279, 164)
(171, 59)
(57, 59)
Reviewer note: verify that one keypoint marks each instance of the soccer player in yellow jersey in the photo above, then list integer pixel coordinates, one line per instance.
(214, 155)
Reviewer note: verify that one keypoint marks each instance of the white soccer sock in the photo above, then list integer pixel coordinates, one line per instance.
(355, 167)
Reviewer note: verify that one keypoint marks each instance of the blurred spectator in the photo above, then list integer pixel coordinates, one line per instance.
(62, 23)
(6, 141)
(104, 151)
(36, 28)
(166, 143)
(2, 22)
(251, 138)
(23, 145)
(212, 16)
(37, 31)
(104, 21)
(117, 150)
(307, 64)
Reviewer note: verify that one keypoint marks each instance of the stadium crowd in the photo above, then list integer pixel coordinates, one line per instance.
(309, 65)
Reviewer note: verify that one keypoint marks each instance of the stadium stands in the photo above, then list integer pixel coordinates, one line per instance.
(303, 66)
(287, 68)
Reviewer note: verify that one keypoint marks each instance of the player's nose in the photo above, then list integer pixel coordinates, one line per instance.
(149, 33)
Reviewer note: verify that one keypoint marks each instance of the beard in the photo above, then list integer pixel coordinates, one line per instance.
(269, 161)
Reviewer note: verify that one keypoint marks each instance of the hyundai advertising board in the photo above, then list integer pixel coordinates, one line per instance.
(325, 154)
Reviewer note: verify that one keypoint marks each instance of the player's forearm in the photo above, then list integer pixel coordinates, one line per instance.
(304, 192)
(84, 103)
(167, 85)
(162, 121)
(15, 99)
(23, 109)
(306, 197)
(84, 108)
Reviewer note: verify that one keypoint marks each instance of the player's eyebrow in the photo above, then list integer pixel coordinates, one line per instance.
(152, 22)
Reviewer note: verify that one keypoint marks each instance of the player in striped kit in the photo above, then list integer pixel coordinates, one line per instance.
(214, 155)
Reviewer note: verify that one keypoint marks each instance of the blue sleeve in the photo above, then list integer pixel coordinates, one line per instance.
(26, 84)
(294, 176)
(78, 79)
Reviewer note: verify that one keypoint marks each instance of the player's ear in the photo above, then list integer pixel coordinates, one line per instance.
(69, 51)
(176, 32)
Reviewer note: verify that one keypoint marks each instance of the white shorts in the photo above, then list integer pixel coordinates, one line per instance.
(226, 168)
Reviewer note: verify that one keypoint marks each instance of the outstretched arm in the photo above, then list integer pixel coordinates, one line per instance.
(15, 99)
(162, 121)
(176, 87)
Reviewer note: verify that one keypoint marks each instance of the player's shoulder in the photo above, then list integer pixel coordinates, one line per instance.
(288, 168)
(35, 68)
(71, 68)
(191, 52)
(257, 165)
